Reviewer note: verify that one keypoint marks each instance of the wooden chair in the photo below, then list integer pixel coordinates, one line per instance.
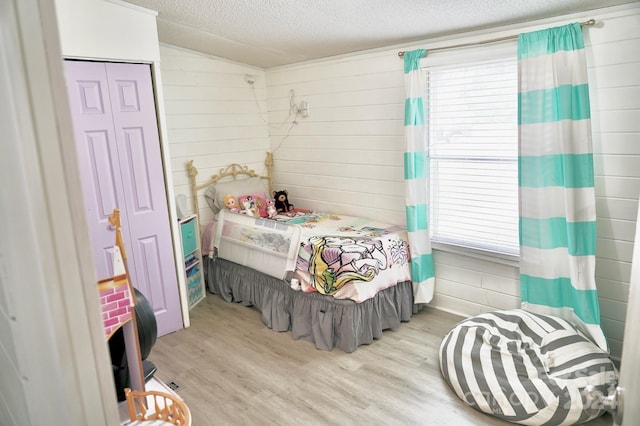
(154, 405)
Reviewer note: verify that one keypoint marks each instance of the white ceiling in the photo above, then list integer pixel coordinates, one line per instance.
(268, 33)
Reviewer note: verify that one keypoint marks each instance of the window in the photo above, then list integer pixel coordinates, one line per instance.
(473, 140)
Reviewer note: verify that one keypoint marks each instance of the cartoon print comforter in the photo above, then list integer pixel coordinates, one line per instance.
(342, 256)
(350, 257)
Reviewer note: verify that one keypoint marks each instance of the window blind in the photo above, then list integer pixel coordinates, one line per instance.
(473, 140)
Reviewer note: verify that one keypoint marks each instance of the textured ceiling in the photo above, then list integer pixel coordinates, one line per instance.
(268, 33)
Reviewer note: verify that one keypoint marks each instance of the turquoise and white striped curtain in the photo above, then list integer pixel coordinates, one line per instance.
(557, 198)
(416, 175)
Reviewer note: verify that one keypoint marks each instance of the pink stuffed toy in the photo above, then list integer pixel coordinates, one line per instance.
(271, 208)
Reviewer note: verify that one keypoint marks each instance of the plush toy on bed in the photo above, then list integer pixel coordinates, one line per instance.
(271, 208)
(249, 207)
(282, 201)
(231, 203)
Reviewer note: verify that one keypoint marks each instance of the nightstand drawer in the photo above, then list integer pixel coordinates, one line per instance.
(189, 240)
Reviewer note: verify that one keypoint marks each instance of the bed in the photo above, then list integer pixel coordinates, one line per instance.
(335, 280)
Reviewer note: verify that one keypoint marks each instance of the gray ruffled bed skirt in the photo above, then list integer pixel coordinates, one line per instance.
(327, 322)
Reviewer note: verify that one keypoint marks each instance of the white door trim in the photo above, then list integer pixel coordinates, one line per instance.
(48, 279)
(630, 361)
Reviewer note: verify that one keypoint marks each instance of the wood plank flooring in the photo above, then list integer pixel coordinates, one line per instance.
(233, 370)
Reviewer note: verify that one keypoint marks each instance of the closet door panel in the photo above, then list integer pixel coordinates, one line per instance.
(136, 130)
(97, 154)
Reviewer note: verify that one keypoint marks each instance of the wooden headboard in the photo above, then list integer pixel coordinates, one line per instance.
(232, 170)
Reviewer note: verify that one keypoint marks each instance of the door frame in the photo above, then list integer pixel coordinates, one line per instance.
(630, 362)
(56, 332)
(171, 198)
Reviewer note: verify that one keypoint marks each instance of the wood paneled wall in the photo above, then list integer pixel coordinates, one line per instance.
(347, 155)
(614, 78)
(214, 117)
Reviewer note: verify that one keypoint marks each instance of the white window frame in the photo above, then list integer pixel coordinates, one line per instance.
(471, 55)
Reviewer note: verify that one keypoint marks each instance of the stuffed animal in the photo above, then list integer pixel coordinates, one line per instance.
(249, 207)
(271, 208)
(282, 201)
(231, 203)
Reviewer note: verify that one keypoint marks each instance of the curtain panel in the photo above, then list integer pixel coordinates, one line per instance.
(416, 175)
(556, 183)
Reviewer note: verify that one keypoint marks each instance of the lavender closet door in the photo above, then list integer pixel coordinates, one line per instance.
(118, 148)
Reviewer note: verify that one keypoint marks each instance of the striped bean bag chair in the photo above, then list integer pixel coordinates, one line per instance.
(525, 368)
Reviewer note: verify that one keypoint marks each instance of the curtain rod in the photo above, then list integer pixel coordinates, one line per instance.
(493, 40)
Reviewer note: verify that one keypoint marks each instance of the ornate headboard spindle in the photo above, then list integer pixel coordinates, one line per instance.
(232, 170)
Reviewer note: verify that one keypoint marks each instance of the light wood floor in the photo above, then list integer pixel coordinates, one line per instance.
(233, 370)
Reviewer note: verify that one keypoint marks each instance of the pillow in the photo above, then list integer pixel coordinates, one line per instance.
(210, 198)
(258, 200)
(215, 193)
